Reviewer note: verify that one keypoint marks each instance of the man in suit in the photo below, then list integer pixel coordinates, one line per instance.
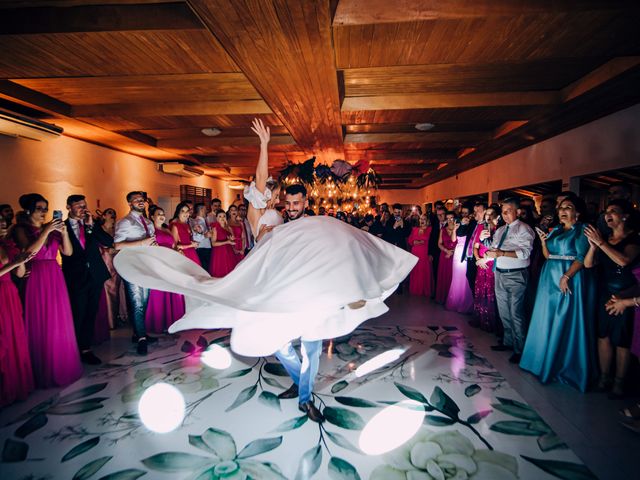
(469, 227)
(438, 222)
(85, 272)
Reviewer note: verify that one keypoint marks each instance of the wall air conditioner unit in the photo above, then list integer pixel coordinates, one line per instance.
(15, 125)
(175, 168)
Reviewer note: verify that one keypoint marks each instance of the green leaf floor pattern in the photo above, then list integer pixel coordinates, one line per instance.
(475, 425)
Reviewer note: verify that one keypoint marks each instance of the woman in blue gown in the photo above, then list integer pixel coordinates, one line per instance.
(560, 341)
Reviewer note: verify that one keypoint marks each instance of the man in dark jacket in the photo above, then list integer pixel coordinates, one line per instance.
(85, 272)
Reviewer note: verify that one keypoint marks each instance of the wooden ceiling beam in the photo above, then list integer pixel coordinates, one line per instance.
(455, 138)
(435, 155)
(449, 100)
(364, 12)
(223, 141)
(32, 99)
(168, 109)
(98, 18)
(600, 75)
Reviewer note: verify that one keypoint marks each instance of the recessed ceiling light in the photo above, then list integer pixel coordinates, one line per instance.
(423, 127)
(211, 132)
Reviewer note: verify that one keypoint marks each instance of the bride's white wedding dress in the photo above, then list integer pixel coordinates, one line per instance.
(298, 281)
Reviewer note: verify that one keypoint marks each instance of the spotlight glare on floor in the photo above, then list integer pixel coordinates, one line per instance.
(161, 408)
(216, 357)
(392, 427)
(379, 361)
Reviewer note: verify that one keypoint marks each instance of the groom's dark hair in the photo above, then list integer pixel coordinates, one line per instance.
(295, 189)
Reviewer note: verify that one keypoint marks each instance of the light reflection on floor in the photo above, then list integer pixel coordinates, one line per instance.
(472, 424)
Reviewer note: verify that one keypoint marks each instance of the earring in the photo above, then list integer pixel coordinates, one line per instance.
(624, 219)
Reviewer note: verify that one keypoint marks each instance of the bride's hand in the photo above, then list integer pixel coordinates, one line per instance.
(259, 129)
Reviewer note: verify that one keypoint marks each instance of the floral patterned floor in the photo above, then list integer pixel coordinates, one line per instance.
(474, 424)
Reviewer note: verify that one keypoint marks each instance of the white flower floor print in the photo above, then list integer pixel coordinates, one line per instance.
(471, 423)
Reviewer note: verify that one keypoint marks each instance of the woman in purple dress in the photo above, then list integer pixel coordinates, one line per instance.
(460, 298)
(181, 232)
(484, 305)
(163, 308)
(447, 244)
(16, 375)
(47, 312)
(223, 260)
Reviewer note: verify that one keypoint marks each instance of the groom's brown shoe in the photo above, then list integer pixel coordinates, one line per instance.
(312, 411)
(291, 392)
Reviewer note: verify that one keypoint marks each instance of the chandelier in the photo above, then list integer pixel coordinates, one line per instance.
(341, 186)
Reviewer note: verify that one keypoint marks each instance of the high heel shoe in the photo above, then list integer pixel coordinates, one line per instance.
(617, 392)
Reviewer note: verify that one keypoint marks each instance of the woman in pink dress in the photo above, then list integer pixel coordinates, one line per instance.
(16, 375)
(163, 308)
(447, 244)
(460, 297)
(181, 232)
(47, 312)
(238, 231)
(223, 260)
(421, 279)
(484, 304)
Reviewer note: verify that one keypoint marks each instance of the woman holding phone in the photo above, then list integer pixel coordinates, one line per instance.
(49, 324)
(484, 304)
(561, 333)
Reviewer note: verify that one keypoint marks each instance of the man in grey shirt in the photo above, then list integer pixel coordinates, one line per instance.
(512, 246)
(135, 230)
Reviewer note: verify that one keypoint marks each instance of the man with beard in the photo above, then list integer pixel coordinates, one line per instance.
(303, 373)
(84, 272)
(135, 230)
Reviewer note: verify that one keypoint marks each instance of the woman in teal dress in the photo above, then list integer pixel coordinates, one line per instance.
(560, 341)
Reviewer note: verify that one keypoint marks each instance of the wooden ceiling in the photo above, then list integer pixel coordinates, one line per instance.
(344, 79)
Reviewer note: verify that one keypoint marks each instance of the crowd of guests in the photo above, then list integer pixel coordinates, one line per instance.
(559, 287)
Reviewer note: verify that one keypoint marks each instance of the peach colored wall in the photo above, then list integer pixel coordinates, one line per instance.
(609, 143)
(58, 168)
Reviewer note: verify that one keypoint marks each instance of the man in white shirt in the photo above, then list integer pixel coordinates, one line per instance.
(135, 230)
(216, 205)
(512, 246)
(201, 234)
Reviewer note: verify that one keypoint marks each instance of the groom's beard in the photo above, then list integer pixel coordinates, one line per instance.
(297, 213)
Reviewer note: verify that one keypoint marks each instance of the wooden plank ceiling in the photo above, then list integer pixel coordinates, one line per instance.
(339, 79)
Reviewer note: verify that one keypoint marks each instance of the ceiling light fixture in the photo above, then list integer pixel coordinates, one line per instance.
(424, 127)
(211, 131)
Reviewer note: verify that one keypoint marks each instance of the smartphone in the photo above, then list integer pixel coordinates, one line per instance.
(486, 226)
(57, 214)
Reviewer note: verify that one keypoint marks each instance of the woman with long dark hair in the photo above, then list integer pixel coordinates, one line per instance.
(181, 232)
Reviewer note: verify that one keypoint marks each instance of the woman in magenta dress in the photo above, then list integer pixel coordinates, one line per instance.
(163, 308)
(16, 375)
(223, 260)
(447, 244)
(484, 304)
(238, 231)
(47, 313)
(421, 279)
(181, 232)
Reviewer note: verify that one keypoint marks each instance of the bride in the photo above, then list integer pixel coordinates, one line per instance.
(312, 278)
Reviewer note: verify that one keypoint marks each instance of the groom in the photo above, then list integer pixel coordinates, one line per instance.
(303, 373)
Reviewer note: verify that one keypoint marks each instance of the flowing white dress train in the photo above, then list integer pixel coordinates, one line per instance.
(298, 281)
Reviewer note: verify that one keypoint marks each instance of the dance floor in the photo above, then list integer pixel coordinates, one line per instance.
(453, 413)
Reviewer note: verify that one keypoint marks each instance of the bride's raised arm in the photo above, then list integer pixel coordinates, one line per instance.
(262, 169)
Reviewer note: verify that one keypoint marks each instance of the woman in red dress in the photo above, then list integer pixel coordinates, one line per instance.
(421, 279)
(223, 260)
(238, 232)
(447, 244)
(181, 232)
